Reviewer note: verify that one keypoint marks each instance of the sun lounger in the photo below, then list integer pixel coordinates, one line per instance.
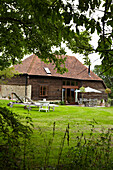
(25, 104)
(29, 103)
(19, 101)
(32, 102)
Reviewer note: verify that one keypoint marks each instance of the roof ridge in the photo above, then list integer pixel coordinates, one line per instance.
(31, 65)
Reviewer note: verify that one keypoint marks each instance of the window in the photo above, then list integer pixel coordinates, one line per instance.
(47, 70)
(64, 82)
(43, 90)
(72, 83)
(76, 83)
(68, 83)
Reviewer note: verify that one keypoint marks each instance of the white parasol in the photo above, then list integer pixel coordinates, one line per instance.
(91, 90)
(87, 90)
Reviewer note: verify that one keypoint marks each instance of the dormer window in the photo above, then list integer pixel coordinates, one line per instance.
(47, 70)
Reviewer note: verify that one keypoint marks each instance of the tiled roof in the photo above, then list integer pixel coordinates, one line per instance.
(76, 70)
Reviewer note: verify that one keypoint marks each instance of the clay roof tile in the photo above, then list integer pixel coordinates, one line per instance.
(76, 70)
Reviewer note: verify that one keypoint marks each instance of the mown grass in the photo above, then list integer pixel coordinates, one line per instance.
(54, 133)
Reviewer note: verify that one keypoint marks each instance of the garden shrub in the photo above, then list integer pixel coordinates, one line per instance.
(13, 135)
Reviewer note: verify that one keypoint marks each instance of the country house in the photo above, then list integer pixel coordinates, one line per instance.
(39, 80)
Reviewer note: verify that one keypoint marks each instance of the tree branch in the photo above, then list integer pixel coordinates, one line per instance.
(103, 20)
(9, 19)
(106, 69)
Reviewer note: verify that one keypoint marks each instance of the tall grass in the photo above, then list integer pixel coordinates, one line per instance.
(88, 152)
(68, 138)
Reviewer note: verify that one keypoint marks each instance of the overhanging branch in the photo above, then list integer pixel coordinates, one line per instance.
(9, 19)
(107, 69)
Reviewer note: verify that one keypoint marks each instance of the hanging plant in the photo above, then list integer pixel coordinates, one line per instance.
(107, 90)
(82, 90)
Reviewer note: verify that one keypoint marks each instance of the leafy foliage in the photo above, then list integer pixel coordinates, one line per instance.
(37, 26)
(13, 134)
(80, 43)
(108, 91)
(107, 76)
(82, 89)
(7, 73)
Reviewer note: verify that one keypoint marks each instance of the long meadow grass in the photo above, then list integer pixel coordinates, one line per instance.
(70, 137)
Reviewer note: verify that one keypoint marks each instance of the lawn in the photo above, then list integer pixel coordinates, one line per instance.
(54, 133)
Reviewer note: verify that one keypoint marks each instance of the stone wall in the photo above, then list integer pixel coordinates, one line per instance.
(6, 91)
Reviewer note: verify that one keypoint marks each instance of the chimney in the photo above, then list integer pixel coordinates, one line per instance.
(89, 70)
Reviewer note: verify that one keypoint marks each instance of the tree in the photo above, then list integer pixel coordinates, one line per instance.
(33, 26)
(106, 76)
(7, 73)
